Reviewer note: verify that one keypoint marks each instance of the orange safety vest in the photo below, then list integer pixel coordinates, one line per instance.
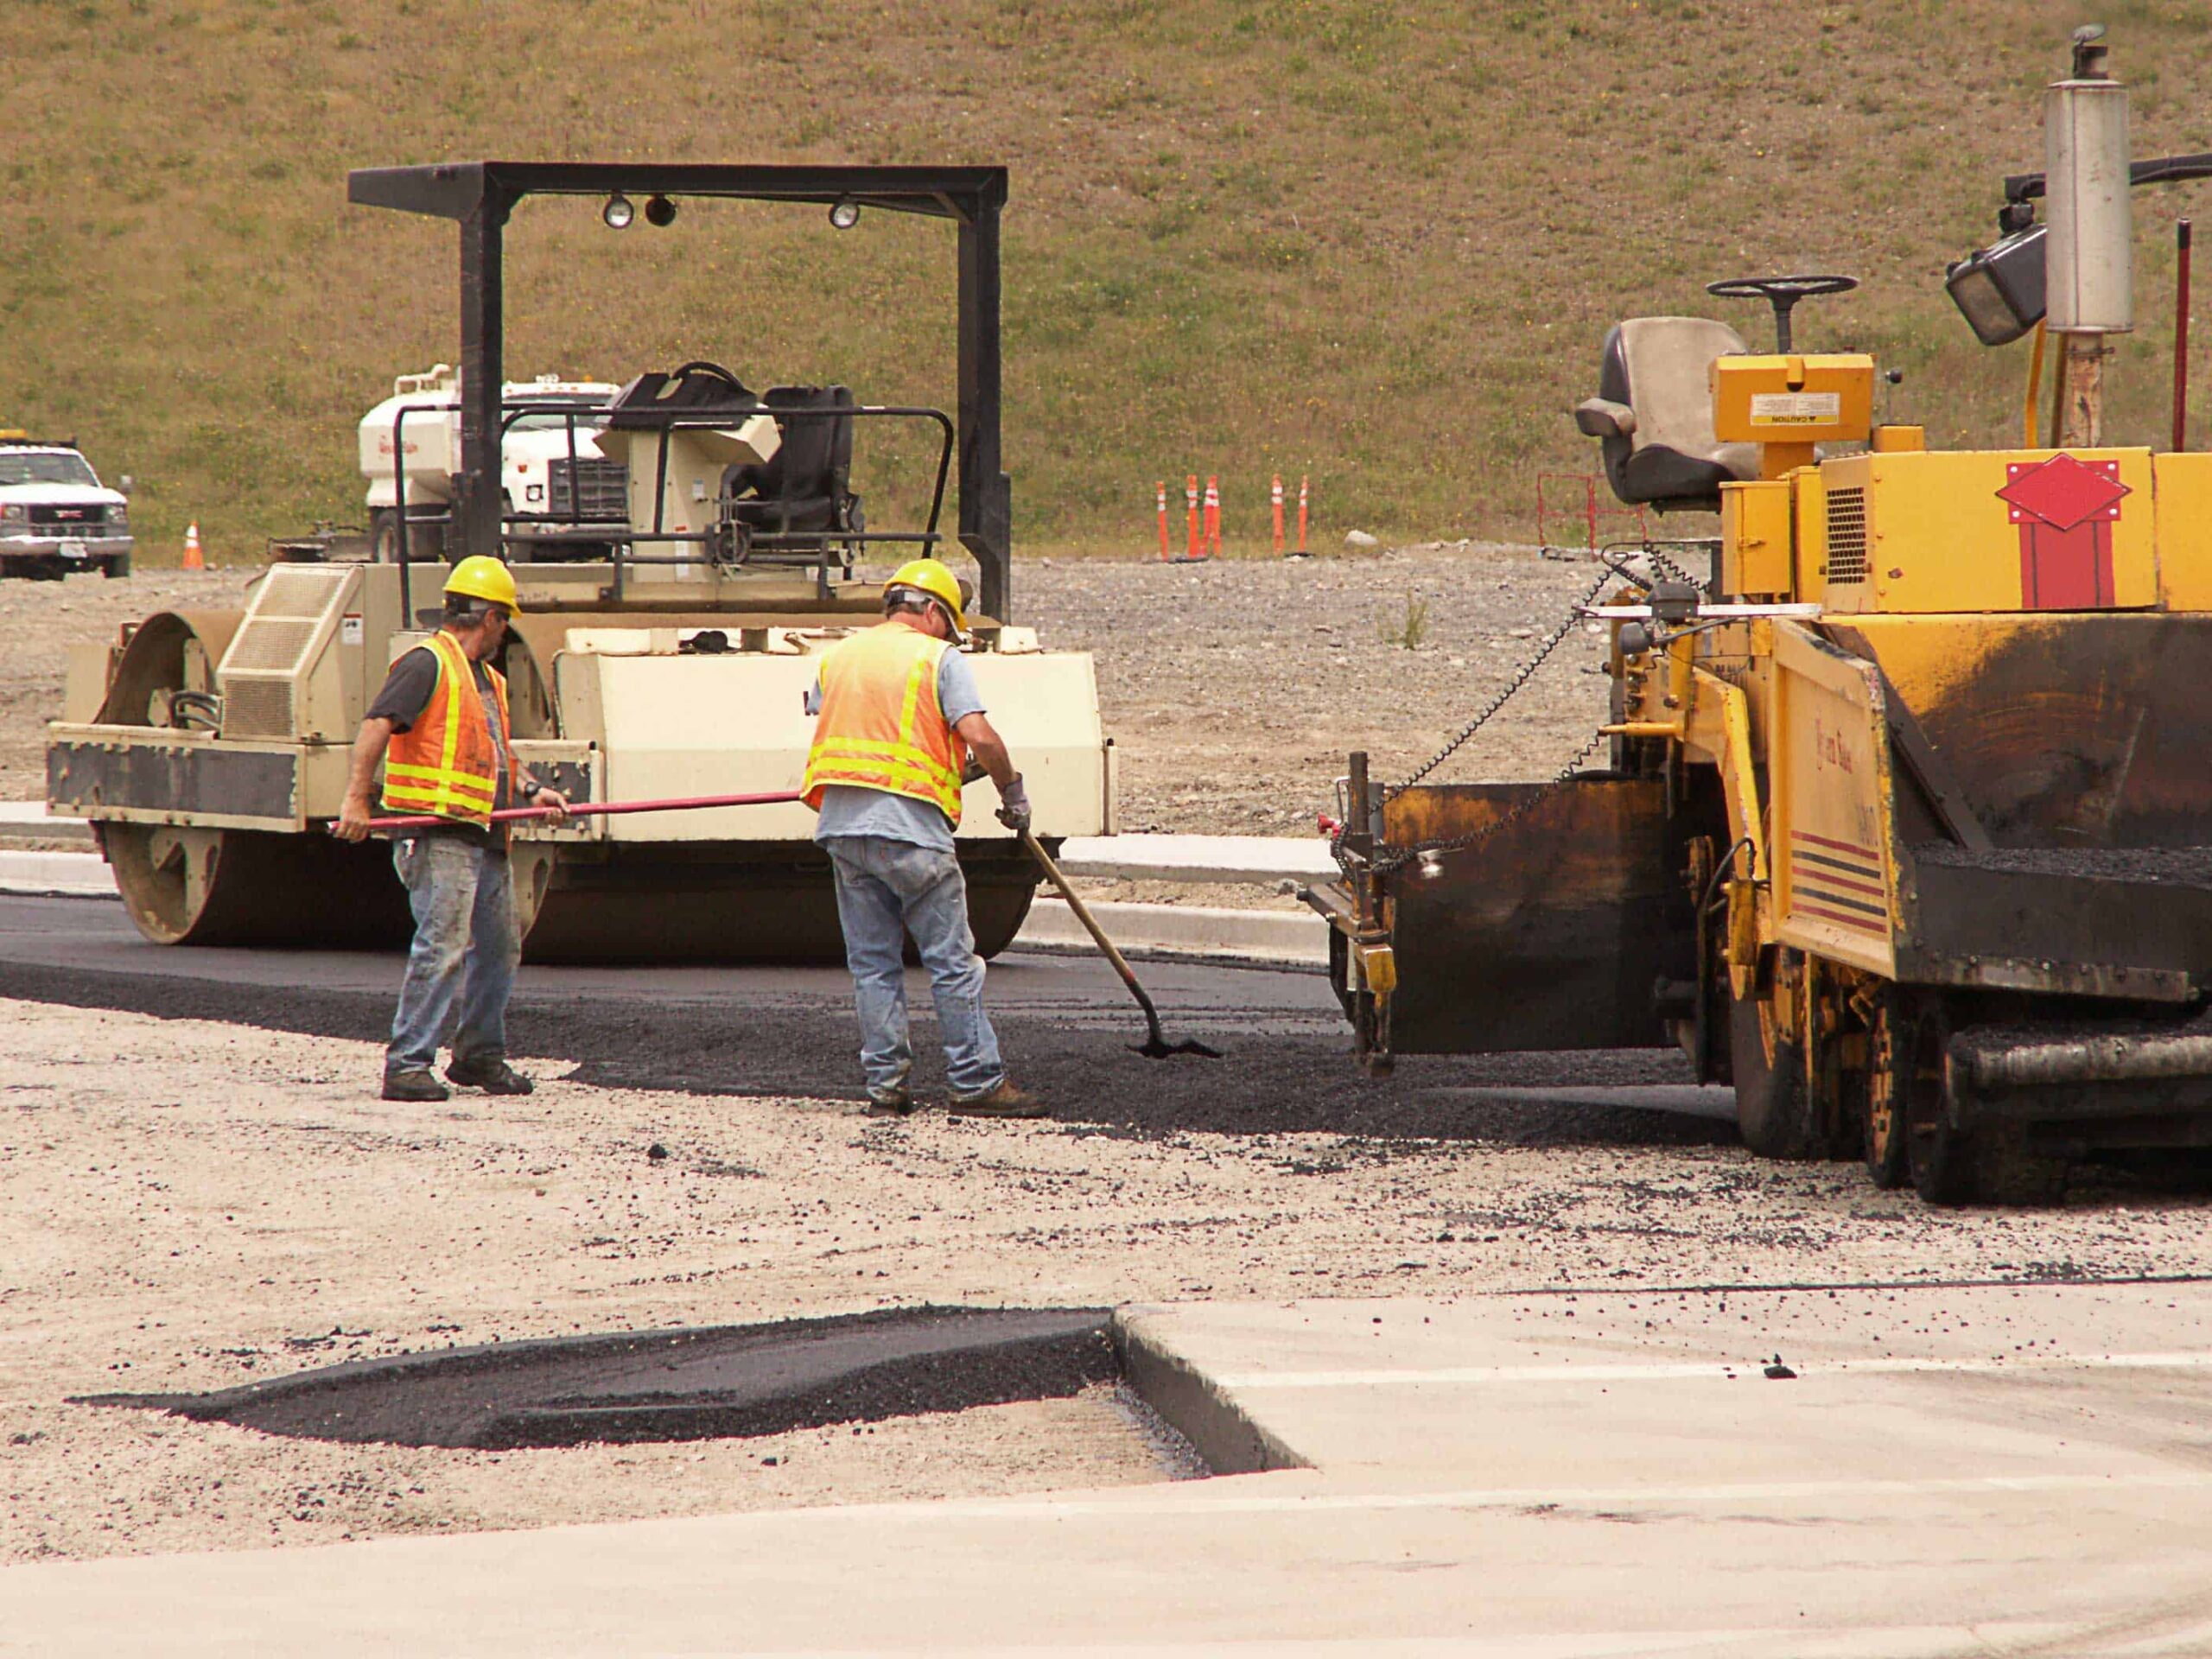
(444, 763)
(882, 724)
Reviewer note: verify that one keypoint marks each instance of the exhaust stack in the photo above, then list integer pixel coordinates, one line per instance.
(2089, 275)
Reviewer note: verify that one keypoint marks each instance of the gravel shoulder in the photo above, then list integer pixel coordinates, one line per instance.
(187, 1206)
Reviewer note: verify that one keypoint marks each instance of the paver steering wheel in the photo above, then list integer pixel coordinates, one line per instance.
(1783, 293)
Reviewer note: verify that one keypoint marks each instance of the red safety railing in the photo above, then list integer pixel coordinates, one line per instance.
(1565, 498)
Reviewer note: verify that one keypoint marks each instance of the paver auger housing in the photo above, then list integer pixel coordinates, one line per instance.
(209, 749)
(1907, 826)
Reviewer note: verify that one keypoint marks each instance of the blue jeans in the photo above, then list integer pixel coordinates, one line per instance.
(886, 890)
(462, 893)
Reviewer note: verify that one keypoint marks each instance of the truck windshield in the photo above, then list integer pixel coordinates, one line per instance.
(44, 469)
(554, 421)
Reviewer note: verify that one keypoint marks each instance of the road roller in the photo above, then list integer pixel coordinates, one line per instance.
(1898, 818)
(209, 749)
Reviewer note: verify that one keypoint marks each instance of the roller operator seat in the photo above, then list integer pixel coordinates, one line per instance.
(806, 485)
(1653, 414)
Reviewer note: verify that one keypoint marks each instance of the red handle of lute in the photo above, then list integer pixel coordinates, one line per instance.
(599, 809)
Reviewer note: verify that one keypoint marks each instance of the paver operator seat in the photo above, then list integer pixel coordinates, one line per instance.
(1653, 414)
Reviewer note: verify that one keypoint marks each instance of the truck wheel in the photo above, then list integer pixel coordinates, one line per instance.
(116, 565)
(1771, 1110)
(1940, 1155)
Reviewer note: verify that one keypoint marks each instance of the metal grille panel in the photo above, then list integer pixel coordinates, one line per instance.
(604, 486)
(292, 591)
(270, 645)
(257, 708)
(1846, 561)
(262, 675)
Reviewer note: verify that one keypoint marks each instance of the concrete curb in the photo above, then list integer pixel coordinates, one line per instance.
(1194, 1405)
(1195, 930)
(76, 875)
(27, 822)
(1261, 859)
(1258, 859)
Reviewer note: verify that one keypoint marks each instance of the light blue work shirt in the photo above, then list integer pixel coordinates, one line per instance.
(853, 810)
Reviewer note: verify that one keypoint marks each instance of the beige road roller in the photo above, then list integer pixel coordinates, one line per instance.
(209, 749)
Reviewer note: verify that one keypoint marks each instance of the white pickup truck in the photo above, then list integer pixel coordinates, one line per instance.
(55, 515)
(538, 473)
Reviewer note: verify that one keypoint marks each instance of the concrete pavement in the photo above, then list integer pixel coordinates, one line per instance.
(1986, 1469)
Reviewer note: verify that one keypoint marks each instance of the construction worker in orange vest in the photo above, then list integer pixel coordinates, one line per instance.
(900, 714)
(440, 728)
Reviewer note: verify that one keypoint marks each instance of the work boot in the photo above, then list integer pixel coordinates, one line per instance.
(489, 1072)
(891, 1103)
(1004, 1101)
(415, 1083)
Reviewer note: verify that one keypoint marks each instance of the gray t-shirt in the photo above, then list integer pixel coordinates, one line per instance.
(848, 810)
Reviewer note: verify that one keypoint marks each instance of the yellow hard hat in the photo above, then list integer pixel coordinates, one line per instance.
(481, 577)
(932, 578)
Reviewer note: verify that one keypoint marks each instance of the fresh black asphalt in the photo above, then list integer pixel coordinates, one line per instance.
(1066, 1025)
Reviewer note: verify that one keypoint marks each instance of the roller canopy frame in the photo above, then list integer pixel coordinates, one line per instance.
(480, 196)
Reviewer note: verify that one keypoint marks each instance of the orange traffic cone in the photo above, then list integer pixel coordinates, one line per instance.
(193, 559)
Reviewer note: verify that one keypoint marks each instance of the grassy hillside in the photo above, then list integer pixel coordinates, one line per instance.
(1373, 240)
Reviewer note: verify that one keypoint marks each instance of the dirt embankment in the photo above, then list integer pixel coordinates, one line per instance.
(1233, 690)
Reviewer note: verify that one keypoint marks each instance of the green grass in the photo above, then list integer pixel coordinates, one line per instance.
(1374, 242)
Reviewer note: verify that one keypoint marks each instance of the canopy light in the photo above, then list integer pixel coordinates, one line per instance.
(617, 212)
(844, 212)
(660, 213)
(1999, 290)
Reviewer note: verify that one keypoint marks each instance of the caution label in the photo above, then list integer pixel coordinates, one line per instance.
(1796, 408)
(350, 630)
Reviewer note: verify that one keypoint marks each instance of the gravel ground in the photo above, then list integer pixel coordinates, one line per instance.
(1233, 690)
(39, 621)
(187, 1206)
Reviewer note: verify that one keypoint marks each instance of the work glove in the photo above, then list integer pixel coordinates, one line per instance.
(1014, 806)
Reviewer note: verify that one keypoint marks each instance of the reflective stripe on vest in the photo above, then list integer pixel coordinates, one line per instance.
(446, 764)
(882, 726)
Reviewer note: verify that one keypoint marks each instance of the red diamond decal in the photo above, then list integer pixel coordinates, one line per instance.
(2063, 491)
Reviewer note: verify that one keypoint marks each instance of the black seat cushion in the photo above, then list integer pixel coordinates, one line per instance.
(1644, 468)
(805, 480)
